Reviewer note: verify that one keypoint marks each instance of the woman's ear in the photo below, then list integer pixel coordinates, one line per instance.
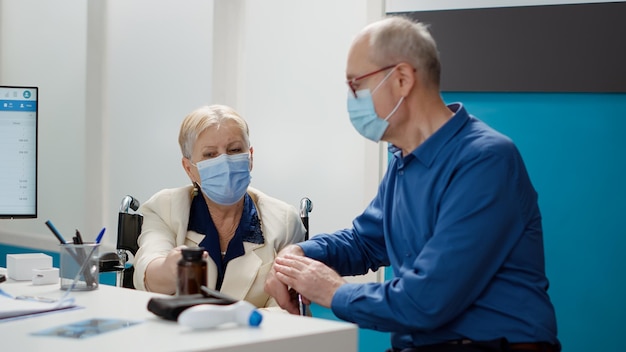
(188, 167)
(251, 153)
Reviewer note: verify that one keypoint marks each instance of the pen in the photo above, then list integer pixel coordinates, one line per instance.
(79, 237)
(99, 238)
(301, 305)
(36, 299)
(82, 256)
(55, 232)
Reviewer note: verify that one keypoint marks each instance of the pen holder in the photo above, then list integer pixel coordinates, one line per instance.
(79, 269)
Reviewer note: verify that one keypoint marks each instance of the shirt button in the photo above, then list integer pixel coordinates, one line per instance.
(401, 172)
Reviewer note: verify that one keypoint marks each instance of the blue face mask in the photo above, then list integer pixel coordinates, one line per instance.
(225, 179)
(363, 114)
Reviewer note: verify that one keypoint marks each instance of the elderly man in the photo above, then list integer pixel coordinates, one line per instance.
(455, 216)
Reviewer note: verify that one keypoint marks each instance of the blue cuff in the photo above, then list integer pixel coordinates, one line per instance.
(312, 250)
(340, 305)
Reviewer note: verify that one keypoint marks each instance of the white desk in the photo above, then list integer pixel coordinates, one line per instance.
(278, 332)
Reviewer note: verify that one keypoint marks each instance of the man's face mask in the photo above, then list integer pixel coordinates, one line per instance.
(225, 179)
(363, 114)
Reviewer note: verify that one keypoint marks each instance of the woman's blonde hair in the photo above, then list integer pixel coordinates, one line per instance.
(205, 117)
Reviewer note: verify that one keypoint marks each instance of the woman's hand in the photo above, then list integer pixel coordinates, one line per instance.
(287, 299)
(161, 273)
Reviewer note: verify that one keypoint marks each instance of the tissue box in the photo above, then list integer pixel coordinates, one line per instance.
(20, 266)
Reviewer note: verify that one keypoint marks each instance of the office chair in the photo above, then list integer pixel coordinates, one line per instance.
(128, 230)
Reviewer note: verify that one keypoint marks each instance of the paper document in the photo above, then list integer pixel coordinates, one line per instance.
(11, 307)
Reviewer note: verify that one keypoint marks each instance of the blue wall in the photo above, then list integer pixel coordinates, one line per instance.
(369, 340)
(574, 148)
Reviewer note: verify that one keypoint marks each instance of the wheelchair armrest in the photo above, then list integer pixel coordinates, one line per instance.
(111, 262)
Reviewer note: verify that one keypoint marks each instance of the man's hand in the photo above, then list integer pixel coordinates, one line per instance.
(315, 281)
(286, 299)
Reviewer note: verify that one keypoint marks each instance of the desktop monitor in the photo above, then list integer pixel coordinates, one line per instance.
(18, 152)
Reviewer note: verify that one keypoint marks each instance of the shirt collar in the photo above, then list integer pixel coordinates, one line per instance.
(427, 151)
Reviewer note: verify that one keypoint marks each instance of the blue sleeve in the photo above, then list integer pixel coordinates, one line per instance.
(481, 218)
(356, 250)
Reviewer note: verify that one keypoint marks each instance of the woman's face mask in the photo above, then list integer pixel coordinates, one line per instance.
(363, 114)
(225, 179)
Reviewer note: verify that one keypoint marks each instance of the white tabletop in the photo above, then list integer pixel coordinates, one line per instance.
(278, 331)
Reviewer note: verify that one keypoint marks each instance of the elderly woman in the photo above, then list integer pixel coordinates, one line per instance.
(241, 228)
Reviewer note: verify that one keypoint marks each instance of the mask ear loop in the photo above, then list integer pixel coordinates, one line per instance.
(394, 109)
(401, 98)
(383, 81)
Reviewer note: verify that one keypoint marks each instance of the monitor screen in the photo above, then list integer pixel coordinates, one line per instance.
(18, 152)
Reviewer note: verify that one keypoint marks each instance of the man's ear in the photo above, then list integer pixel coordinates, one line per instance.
(408, 78)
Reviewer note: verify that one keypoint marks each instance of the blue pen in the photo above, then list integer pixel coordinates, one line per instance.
(99, 238)
(55, 232)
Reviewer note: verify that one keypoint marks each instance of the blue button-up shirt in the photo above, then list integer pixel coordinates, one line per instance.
(458, 221)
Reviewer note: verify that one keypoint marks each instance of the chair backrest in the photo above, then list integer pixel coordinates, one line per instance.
(128, 230)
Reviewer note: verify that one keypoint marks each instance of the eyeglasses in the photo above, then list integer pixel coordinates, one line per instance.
(351, 82)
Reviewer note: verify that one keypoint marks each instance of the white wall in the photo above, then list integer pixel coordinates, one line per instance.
(157, 68)
(117, 77)
(288, 68)
(43, 43)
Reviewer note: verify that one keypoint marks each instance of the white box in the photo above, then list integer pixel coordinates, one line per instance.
(20, 266)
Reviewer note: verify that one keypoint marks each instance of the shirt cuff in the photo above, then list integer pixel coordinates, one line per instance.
(312, 250)
(340, 304)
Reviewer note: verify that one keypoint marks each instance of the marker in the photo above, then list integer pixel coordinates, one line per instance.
(79, 237)
(99, 238)
(55, 232)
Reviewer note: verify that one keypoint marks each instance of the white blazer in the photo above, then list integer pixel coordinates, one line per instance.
(165, 220)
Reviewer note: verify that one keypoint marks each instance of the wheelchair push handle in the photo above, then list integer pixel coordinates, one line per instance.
(129, 202)
(306, 206)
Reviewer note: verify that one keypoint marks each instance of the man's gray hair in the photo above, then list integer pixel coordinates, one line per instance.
(398, 39)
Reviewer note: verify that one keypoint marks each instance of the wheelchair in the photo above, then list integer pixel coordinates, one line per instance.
(129, 228)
